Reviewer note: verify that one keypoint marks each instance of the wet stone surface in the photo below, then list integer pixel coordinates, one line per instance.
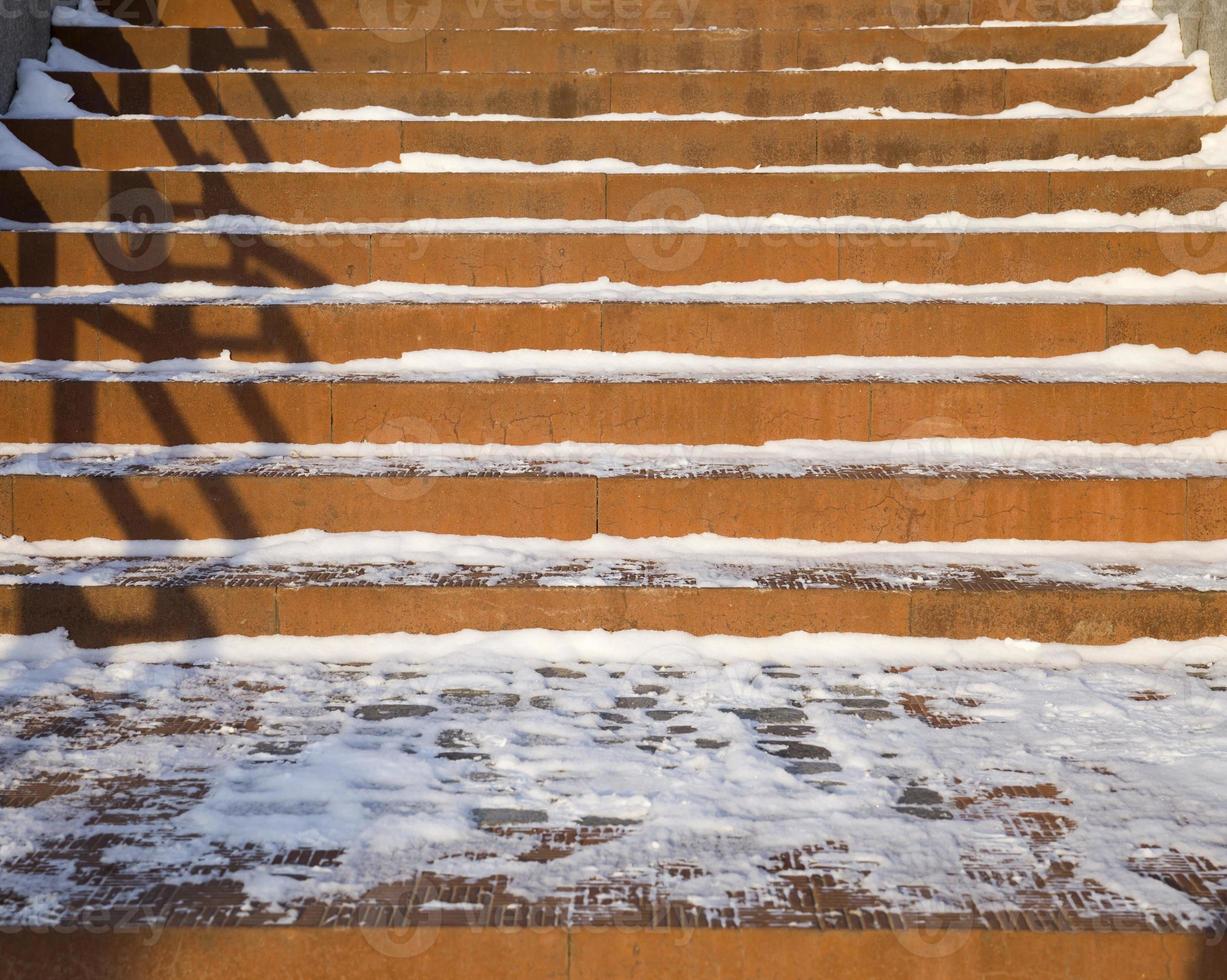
(388, 712)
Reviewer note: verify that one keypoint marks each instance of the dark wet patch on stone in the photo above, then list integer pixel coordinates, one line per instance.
(390, 712)
(854, 690)
(285, 748)
(925, 812)
(634, 703)
(608, 822)
(871, 714)
(500, 817)
(458, 746)
(769, 716)
(812, 768)
(794, 750)
(481, 699)
(920, 796)
(787, 731)
(924, 803)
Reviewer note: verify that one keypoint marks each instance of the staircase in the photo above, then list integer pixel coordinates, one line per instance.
(718, 317)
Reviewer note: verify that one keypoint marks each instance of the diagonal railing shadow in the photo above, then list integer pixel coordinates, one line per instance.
(76, 409)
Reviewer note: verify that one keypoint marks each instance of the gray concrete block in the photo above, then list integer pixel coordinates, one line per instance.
(25, 32)
(1203, 25)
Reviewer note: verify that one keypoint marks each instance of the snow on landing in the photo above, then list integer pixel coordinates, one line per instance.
(613, 778)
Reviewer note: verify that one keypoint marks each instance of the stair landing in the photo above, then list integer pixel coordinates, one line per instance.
(171, 787)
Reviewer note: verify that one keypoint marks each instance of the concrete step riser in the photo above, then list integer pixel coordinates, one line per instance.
(608, 953)
(109, 144)
(107, 615)
(53, 196)
(831, 508)
(345, 333)
(46, 258)
(530, 413)
(208, 49)
(960, 92)
(624, 14)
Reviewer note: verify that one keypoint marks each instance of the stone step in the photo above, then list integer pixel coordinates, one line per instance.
(263, 95)
(307, 197)
(424, 15)
(306, 49)
(336, 333)
(641, 413)
(838, 506)
(45, 258)
(117, 144)
(158, 606)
